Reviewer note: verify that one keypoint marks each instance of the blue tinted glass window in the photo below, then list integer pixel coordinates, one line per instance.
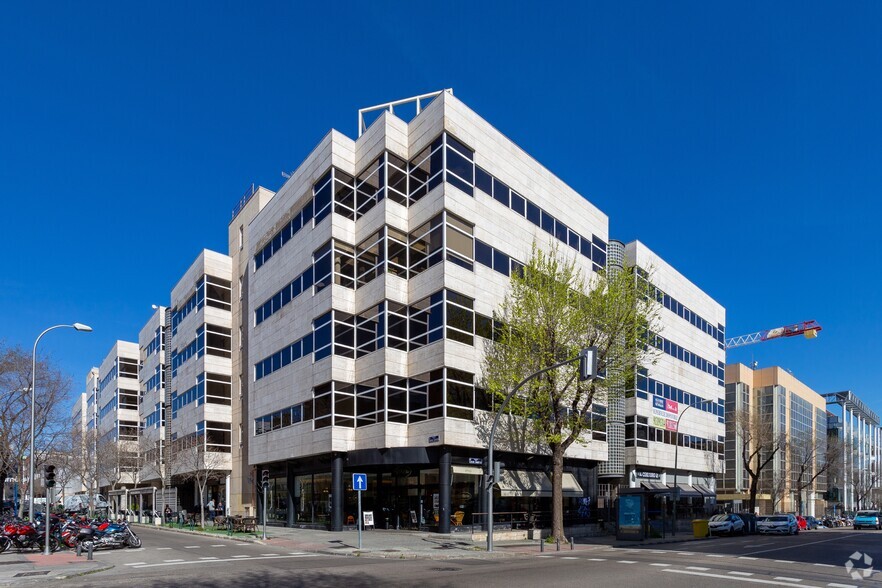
(534, 215)
(483, 181)
(483, 253)
(518, 204)
(500, 192)
(500, 262)
(547, 222)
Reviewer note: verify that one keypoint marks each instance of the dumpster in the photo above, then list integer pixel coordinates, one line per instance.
(699, 528)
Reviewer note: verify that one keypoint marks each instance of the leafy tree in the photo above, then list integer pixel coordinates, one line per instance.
(552, 312)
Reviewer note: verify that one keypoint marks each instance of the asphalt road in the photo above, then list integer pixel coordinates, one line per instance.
(811, 559)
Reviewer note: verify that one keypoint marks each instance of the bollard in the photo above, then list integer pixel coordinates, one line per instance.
(572, 543)
(541, 545)
(91, 546)
(558, 544)
(79, 549)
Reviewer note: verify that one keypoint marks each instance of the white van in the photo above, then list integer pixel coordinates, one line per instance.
(80, 502)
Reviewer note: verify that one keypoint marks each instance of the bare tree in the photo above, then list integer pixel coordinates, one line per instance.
(809, 460)
(192, 461)
(15, 405)
(760, 445)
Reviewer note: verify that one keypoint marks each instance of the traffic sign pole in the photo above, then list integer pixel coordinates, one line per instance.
(359, 484)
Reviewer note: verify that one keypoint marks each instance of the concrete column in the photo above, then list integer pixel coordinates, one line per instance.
(444, 483)
(337, 493)
(292, 503)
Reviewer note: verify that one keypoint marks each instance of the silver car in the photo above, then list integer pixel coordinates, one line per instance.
(782, 524)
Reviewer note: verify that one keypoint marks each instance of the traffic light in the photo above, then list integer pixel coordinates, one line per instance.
(264, 479)
(587, 364)
(49, 475)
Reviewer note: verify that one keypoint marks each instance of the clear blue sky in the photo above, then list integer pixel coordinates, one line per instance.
(742, 142)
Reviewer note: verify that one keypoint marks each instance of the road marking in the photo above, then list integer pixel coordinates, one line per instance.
(596, 559)
(137, 563)
(659, 551)
(741, 573)
(626, 561)
(241, 556)
(697, 568)
(685, 553)
(191, 546)
(838, 538)
(569, 557)
(750, 558)
(786, 579)
(207, 558)
(172, 560)
(715, 555)
(162, 548)
(660, 565)
(834, 585)
(824, 565)
(247, 556)
(219, 545)
(730, 578)
(212, 561)
(783, 561)
(267, 554)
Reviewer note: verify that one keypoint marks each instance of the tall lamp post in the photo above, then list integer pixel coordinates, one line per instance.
(587, 359)
(676, 455)
(78, 327)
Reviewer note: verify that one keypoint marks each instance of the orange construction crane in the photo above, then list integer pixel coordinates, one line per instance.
(808, 329)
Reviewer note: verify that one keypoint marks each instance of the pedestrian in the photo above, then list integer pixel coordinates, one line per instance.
(167, 513)
(220, 508)
(211, 509)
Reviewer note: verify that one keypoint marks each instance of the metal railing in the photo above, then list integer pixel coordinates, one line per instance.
(252, 189)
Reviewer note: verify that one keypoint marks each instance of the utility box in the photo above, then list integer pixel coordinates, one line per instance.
(699, 528)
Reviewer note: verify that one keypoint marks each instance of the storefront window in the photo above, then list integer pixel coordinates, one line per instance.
(312, 498)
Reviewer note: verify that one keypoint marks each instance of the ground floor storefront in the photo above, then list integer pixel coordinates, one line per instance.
(432, 488)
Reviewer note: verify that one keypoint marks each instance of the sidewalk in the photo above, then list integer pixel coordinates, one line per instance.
(32, 564)
(381, 543)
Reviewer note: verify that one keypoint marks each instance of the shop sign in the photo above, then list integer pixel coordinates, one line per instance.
(434, 438)
(648, 475)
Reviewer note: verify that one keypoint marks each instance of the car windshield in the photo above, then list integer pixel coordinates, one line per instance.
(867, 513)
(719, 517)
(761, 519)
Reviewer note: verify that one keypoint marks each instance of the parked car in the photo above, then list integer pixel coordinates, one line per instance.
(783, 524)
(725, 523)
(80, 502)
(803, 524)
(812, 522)
(868, 518)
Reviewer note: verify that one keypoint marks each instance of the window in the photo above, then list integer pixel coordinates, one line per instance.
(425, 170)
(218, 340)
(426, 244)
(459, 241)
(322, 191)
(218, 292)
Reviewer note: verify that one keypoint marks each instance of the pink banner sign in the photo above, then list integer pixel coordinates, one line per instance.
(672, 406)
(670, 425)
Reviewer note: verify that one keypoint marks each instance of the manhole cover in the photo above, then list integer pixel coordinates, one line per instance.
(25, 574)
(446, 569)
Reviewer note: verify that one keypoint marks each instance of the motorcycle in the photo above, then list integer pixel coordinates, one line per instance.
(108, 535)
(25, 536)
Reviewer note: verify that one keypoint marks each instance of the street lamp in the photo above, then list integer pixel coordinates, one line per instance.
(676, 455)
(587, 359)
(78, 327)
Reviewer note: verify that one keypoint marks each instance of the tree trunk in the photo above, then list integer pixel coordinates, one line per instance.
(754, 488)
(557, 461)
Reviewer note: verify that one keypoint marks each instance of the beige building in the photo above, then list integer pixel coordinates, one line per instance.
(780, 407)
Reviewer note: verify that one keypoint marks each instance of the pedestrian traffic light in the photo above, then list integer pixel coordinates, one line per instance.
(264, 479)
(49, 475)
(587, 364)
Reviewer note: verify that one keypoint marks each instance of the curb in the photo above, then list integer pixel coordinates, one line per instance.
(200, 533)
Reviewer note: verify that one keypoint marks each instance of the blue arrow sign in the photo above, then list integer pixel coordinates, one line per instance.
(359, 482)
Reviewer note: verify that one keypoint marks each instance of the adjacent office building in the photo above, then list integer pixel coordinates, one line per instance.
(796, 478)
(675, 431)
(855, 482)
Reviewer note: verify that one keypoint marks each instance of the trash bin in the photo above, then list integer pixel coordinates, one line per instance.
(699, 528)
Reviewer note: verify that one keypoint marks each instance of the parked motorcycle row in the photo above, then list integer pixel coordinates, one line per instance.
(68, 532)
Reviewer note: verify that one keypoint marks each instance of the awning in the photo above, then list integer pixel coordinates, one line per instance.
(531, 484)
(524, 483)
(687, 491)
(654, 486)
(468, 470)
(707, 492)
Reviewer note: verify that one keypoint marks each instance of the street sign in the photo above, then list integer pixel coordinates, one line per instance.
(359, 482)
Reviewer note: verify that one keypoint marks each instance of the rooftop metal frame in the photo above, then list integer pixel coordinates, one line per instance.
(847, 399)
(390, 106)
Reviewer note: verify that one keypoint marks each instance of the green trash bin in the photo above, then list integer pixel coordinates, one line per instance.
(699, 528)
